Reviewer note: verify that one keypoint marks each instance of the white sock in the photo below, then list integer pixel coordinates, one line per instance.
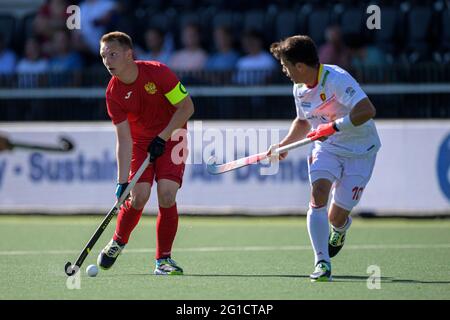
(317, 222)
(345, 227)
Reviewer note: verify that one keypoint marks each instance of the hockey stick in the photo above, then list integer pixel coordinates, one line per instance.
(214, 168)
(72, 269)
(64, 145)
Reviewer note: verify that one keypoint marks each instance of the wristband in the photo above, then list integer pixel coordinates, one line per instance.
(344, 123)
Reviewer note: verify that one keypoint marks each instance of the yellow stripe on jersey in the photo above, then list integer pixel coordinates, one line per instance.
(319, 75)
(177, 94)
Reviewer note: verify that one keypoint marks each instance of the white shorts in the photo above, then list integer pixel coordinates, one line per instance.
(348, 175)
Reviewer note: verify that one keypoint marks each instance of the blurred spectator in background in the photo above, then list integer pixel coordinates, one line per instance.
(155, 46)
(363, 54)
(63, 57)
(257, 64)
(63, 60)
(334, 51)
(225, 58)
(51, 17)
(192, 56)
(96, 18)
(32, 65)
(7, 57)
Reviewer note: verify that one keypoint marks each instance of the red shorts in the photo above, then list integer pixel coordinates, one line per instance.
(164, 166)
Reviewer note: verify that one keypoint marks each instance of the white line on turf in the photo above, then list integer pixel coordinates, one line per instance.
(246, 248)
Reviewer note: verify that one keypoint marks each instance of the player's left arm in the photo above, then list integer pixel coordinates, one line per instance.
(362, 112)
(178, 96)
(185, 109)
(348, 93)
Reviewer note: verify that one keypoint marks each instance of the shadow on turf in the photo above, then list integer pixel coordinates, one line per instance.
(344, 278)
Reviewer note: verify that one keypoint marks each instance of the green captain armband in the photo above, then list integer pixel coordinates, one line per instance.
(177, 94)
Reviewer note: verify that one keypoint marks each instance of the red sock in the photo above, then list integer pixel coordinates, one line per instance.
(127, 219)
(166, 229)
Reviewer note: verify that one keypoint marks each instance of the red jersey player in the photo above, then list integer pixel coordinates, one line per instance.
(146, 103)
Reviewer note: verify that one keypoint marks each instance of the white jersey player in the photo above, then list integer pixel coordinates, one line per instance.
(333, 110)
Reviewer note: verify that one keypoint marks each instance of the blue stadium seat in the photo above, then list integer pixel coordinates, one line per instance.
(318, 21)
(419, 24)
(387, 38)
(224, 18)
(287, 24)
(232, 19)
(442, 54)
(189, 18)
(445, 30)
(255, 19)
(352, 20)
(27, 25)
(8, 28)
(261, 21)
(303, 14)
(158, 19)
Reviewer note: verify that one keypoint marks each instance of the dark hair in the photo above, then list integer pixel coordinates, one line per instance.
(354, 41)
(194, 25)
(122, 38)
(296, 49)
(156, 29)
(225, 28)
(253, 34)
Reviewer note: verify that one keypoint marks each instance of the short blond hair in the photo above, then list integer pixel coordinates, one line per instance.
(122, 38)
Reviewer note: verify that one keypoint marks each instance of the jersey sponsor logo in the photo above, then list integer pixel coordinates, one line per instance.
(128, 94)
(324, 118)
(312, 117)
(306, 104)
(150, 87)
(350, 91)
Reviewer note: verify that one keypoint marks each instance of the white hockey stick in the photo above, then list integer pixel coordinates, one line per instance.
(214, 168)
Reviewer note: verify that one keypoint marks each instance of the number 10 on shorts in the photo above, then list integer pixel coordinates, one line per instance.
(357, 191)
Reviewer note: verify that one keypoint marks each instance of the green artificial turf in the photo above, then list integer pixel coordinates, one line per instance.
(227, 258)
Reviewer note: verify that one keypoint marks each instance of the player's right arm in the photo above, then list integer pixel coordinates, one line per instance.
(124, 149)
(124, 142)
(298, 130)
(299, 127)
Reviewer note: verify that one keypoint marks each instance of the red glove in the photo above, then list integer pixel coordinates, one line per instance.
(323, 130)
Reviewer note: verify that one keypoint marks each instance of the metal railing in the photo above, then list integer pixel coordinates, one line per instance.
(420, 91)
(97, 76)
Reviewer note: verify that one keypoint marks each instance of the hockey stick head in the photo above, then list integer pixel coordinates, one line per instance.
(66, 144)
(211, 161)
(69, 269)
(211, 165)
